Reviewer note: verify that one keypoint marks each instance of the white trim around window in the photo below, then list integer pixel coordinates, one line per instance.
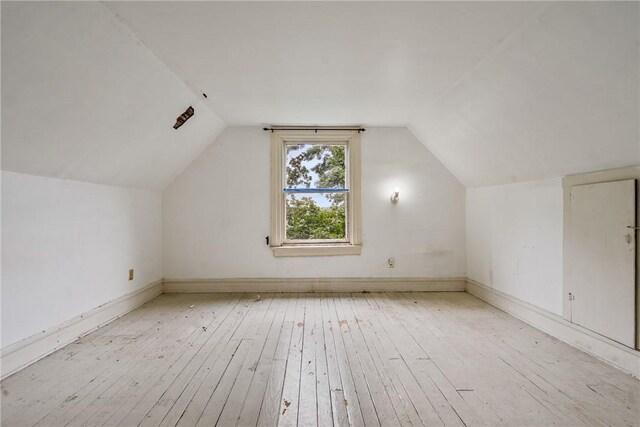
(353, 242)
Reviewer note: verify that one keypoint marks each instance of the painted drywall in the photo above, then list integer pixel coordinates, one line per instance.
(559, 96)
(479, 83)
(83, 98)
(216, 214)
(381, 60)
(500, 92)
(514, 240)
(67, 247)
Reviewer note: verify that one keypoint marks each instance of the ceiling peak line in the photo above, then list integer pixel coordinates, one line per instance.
(497, 48)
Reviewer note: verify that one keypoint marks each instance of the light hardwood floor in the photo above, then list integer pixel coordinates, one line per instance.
(319, 359)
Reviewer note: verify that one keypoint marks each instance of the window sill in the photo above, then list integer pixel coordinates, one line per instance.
(316, 250)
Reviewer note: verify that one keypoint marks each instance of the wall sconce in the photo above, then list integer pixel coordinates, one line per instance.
(395, 196)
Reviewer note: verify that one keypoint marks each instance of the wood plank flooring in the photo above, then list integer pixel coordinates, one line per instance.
(375, 359)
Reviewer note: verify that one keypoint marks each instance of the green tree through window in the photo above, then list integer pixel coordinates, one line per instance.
(318, 215)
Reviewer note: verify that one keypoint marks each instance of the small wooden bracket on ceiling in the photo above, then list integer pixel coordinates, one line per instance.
(182, 118)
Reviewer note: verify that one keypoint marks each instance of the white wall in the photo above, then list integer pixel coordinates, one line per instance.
(216, 214)
(67, 247)
(514, 240)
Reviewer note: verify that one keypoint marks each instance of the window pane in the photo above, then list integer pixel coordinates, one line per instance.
(315, 166)
(315, 216)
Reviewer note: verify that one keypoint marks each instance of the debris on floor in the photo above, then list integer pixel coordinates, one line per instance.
(286, 404)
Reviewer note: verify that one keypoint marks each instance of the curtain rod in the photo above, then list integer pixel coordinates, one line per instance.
(316, 129)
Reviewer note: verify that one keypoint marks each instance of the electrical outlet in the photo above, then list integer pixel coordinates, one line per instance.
(131, 274)
(391, 263)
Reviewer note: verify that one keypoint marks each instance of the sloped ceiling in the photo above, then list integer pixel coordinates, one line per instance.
(498, 91)
(84, 99)
(321, 62)
(559, 96)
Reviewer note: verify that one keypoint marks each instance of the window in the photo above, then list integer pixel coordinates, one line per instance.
(315, 192)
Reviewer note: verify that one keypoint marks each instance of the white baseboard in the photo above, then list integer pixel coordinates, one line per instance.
(612, 352)
(29, 350)
(330, 284)
(25, 352)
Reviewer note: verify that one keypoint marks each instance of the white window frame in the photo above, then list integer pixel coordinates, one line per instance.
(353, 243)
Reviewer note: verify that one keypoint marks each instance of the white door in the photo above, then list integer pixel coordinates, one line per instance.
(602, 258)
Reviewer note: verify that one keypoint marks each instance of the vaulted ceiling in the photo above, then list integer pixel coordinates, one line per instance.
(84, 99)
(498, 91)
